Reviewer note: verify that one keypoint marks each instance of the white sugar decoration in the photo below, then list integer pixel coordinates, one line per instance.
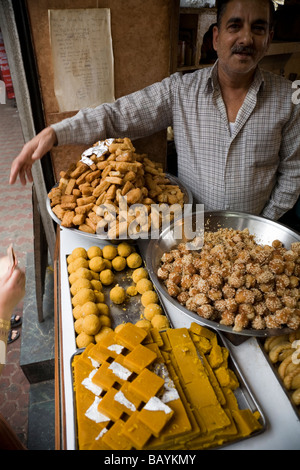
(95, 363)
(87, 160)
(155, 404)
(104, 430)
(116, 348)
(120, 397)
(170, 393)
(120, 371)
(89, 385)
(98, 149)
(93, 413)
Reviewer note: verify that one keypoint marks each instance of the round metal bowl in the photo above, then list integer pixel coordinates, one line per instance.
(265, 232)
(188, 201)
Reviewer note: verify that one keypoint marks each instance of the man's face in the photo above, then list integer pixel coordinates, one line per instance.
(244, 35)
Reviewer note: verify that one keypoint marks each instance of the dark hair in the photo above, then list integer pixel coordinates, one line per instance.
(222, 4)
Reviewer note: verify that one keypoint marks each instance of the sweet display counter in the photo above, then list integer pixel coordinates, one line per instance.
(281, 427)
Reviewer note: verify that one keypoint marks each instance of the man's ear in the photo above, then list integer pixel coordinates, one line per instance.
(215, 37)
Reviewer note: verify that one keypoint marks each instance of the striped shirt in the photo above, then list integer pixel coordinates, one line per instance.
(254, 169)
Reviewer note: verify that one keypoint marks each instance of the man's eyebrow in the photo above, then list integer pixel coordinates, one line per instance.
(234, 20)
(237, 19)
(260, 21)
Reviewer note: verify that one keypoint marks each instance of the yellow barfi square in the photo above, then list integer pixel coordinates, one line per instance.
(155, 415)
(110, 373)
(131, 396)
(139, 358)
(146, 385)
(115, 439)
(130, 336)
(111, 407)
(136, 432)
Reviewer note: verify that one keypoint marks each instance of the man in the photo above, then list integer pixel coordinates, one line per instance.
(236, 129)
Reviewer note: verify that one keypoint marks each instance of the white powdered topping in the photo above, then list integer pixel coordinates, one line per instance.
(120, 371)
(155, 404)
(116, 348)
(89, 385)
(104, 430)
(120, 397)
(99, 149)
(86, 160)
(170, 393)
(93, 413)
(95, 364)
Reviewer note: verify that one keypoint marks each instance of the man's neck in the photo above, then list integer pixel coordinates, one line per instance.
(234, 88)
(234, 81)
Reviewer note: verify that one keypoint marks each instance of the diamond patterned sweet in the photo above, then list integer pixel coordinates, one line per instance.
(167, 390)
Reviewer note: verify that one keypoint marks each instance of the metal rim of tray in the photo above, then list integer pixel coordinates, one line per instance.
(153, 247)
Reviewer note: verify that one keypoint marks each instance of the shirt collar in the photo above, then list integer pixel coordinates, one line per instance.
(213, 83)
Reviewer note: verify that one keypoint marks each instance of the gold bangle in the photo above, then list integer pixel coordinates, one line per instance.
(5, 324)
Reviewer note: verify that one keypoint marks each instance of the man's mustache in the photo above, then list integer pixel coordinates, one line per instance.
(242, 50)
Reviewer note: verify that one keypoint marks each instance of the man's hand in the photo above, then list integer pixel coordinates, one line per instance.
(33, 150)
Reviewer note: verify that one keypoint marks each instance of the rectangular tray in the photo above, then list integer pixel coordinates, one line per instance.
(243, 394)
(131, 310)
(275, 371)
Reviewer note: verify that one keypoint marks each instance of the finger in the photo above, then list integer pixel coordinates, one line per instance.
(22, 176)
(14, 172)
(29, 174)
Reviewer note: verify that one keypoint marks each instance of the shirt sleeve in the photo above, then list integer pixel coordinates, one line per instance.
(287, 188)
(137, 115)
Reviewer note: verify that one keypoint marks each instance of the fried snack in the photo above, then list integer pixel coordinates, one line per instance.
(235, 281)
(296, 397)
(284, 352)
(104, 178)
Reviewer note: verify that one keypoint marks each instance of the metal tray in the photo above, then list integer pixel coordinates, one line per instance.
(131, 309)
(264, 230)
(275, 371)
(243, 394)
(188, 199)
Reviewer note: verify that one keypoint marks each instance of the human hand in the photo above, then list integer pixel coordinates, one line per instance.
(32, 151)
(12, 291)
